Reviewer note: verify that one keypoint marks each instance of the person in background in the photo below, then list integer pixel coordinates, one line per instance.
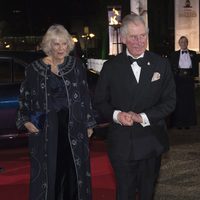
(136, 92)
(55, 108)
(184, 64)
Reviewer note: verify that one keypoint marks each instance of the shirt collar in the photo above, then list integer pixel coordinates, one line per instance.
(128, 54)
(184, 50)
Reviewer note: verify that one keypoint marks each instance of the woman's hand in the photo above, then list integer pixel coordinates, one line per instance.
(89, 132)
(31, 127)
(48, 60)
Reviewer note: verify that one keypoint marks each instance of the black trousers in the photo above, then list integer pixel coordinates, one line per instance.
(136, 177)
(66, 180)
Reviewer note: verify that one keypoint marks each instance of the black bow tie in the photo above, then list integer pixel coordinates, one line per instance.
(184, 52)
(139, 60)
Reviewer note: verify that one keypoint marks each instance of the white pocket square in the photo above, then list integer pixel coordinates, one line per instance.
(156, 76)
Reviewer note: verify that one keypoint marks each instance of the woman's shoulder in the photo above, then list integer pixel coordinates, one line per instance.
(37, 62)
(74, 59)
(75, 62)
(37, 65)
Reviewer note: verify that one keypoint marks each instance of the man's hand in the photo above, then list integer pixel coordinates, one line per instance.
(31, 127)
(136, 117)
(125, 119)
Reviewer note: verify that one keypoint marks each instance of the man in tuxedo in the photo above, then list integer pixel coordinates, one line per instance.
(184, 64)
(136, 96)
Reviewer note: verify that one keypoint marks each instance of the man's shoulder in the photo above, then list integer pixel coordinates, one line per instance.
(114, 63)
(174, 53)
(192, 51)
(156, 61)
(115, 60)
(154, 56)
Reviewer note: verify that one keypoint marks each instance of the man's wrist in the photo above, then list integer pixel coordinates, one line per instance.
(145, 120)
(115, 116)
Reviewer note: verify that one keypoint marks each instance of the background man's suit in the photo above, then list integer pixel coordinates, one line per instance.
(185, 112)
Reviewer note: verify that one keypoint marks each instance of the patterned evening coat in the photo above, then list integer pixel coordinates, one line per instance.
(35, 98)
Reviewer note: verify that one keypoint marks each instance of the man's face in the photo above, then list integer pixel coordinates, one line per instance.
(136, 39)
(183, 43)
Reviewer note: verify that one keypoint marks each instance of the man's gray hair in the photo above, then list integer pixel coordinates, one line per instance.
(131, 18)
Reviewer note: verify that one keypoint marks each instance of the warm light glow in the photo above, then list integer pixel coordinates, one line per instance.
(75, 39)
(7, 46)
(114, 22)
(116, 12)
(92, 35)
(88, 36)
(114, 19)
(86, 30)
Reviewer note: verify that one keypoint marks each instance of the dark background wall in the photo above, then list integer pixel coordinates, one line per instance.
(161, 26)
(33, 17)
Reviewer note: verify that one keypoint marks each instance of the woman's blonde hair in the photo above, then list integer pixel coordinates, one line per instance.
(54, 32)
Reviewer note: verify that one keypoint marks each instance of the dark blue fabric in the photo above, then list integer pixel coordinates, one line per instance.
(38, 119)
(58, 93)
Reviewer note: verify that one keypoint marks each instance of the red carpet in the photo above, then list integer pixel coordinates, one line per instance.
(15, 179)
(103, 183)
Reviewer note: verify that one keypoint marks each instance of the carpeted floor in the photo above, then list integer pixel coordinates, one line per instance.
(179, 177)
(180, 171)
(14, 181)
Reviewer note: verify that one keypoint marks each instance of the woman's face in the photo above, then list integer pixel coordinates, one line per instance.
(59, 49)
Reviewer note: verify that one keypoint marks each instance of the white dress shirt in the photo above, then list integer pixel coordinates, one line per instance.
(185, 60)
(136, 71)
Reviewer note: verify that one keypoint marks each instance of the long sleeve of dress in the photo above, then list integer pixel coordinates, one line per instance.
(24, 103)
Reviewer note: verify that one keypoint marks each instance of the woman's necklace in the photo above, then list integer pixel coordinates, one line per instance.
(54, 65)
(54, 69)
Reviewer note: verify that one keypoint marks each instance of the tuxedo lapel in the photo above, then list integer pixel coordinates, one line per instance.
(191, 53)
(146, 74)
(146, 71)
(128, 77)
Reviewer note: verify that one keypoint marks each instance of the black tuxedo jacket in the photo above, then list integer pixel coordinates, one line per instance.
(174, 60)
(117, 89)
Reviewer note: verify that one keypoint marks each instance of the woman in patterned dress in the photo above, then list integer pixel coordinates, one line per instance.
(55, 108)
